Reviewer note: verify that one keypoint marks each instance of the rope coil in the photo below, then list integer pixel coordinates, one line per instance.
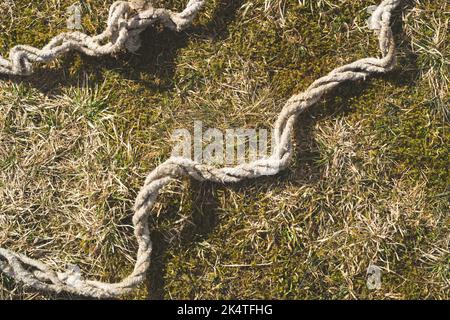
(123, 31)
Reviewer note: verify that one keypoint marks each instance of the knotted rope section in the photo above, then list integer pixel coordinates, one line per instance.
(123, 31)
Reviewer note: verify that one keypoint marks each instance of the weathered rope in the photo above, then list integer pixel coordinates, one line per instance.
(120, 30)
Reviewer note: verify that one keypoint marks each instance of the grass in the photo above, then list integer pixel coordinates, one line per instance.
(369, 183)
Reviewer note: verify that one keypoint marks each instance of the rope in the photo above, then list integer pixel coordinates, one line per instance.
(123, 31)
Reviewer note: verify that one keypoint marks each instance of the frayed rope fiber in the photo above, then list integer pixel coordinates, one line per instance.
(123, 32)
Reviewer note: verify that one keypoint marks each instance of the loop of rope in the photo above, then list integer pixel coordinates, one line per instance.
(120, 28)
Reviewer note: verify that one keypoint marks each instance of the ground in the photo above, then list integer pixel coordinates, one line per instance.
(369, 183)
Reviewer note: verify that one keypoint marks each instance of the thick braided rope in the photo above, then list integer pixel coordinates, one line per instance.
(122, 31)
(39, 276)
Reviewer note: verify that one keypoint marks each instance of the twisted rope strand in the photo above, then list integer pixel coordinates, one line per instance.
(39, 276)
(123, 30)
